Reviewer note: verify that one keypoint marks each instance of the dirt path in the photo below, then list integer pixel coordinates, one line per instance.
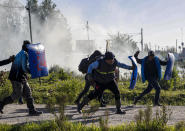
(17, 114)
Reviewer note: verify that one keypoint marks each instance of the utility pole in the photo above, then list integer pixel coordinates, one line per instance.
(29, 14)
(141, 39)
(87, 27)
(28, 8)
(182, 34)
(176, 46)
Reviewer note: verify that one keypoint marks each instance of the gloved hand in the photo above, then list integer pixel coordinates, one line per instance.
(133, 67)
(89, 77)
(12, 58)
(136, 54)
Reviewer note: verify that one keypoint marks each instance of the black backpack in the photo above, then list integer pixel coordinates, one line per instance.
(84, 64)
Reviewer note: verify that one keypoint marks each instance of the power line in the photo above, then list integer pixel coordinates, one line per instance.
(18, 7)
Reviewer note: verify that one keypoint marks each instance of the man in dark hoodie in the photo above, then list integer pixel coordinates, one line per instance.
(104, 77)
(151, 72)
(19, 82)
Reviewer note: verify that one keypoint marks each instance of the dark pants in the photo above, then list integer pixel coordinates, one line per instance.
(85, 90)
(152, 84)
(19, 89)
(112, 86)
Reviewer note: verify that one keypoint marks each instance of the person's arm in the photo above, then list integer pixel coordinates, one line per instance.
(7, 61)
(25, 65)
(124, 66)
(139, 61)
(163, 63)
(92, 66)
(136, 56)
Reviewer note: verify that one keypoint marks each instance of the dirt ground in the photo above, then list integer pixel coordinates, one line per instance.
(18, 114)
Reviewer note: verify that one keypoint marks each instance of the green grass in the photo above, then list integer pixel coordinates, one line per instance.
(68, 126)
(60, 82)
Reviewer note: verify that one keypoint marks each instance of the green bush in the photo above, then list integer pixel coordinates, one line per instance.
(174, 83)
(61, 82)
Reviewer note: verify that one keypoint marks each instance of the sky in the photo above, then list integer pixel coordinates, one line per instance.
(161, 20)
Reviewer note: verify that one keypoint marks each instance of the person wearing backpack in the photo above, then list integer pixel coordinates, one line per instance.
(83, 67)
(102, 72)
(151, 72)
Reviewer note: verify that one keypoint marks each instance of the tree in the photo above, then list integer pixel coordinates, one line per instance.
(33, 5)
(52, 31)
(47, 9)
(12, 26)
(123, 43)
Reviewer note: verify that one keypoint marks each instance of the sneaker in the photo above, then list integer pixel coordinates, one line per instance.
(76, 102)
(157, 104)
(102, 105)
(119, 111)
(79, 108)
(135, 101)
(35, 112)
(20, 101)
(1, 107)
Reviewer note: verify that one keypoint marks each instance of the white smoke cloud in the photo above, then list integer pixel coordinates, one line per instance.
(56, 39)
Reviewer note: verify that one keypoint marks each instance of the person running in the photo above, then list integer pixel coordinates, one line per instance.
(151, 72)
(95, 56)
(18, 78)
(102, 73)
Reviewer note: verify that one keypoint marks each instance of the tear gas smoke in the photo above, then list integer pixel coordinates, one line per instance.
(57, 35)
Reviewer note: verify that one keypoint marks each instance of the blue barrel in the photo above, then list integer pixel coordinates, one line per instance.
(37, 60)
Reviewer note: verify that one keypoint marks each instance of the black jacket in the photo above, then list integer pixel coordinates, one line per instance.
(150, 68)
(105, 73)
(5, 62)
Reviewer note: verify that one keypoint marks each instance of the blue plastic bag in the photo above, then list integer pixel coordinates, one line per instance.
(134, 73)
(37, 60)
(169, 67)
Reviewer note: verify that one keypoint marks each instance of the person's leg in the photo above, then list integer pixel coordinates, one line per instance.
(85, 90)
(101, 100)
(30, 102)
(157, 93)
(146, 91)
(92, 95)
(100, 94)
(113, 87)
(17, 92)
(20, 100)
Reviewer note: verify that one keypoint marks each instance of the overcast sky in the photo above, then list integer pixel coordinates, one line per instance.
(161, 20)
